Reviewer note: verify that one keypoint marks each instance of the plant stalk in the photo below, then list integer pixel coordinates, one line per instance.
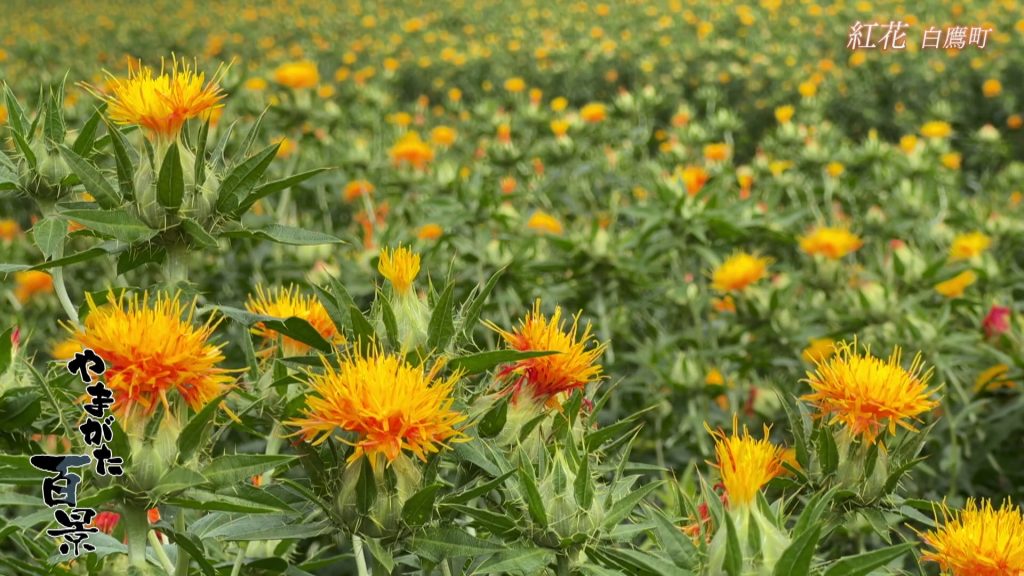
(176, 265)
(136, 527)
(183, 559)
(563, 564)
(158, 548)
(357, 550)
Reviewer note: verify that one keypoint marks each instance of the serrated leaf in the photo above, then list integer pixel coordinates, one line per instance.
(864, 564)
(15, 113)
(442, 327)
(275, 186)
(193, 434)
(484, 361)
(95, 183)
(139, 255)
(49, 234)
(234, 468)
(198, 233)
(122, 160)
(194, 549)
(518, 560)
(733, 552)
(170, 184)
(796, 559)
(86, 138)
(494, 420)
(287, 235)
(201, 139)
(448, 542)
(243, 178)
(117, 223)
(622, 507)
(534, 503)
(417, 510)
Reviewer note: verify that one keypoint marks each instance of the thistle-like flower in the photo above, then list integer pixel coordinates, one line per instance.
(978, 540)
(388, 403)
(869, 395)
(288, 302)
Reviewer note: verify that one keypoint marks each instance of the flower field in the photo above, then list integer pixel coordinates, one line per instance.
(464, 288)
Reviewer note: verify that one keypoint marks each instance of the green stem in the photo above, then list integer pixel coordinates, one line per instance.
(563, 564)
(237, 568)
(58, 276)
(158, 548)
(357, 549)
(183, 558)
(136, 527)
(176, 265)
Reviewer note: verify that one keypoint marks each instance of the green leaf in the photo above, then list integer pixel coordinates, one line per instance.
(194, 549)
(812, 513)
(19, 407)
(366, 487)
(177, 479)
(122, 160)
(676, 544)
(733, 552)
(299, 329)
(476, 305)
(623, 506)
(287, 235)
(86, 138)
(243, 178)
(442, 327)
(362, 330)
(518, 560)
(6, 347)
(94, 182)
(49, 234)
(484, 361)
(201, 140)
(864, 564)
(796, 560)
(534, 504)
(447, 542)
(170, 185)
(215, 502)
(197, 429)
(583, 486)
(234, 468)
(139, 255)
(25, 149)
(117, 223)
(417, 510)
(265, 527)
(198, 233)
(15, 113)
(494, 420)
(53, 116)
(275, 186)
(828, 453)
(390, 322)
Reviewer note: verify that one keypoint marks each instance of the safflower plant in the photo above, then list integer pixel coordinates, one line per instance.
(484, 289)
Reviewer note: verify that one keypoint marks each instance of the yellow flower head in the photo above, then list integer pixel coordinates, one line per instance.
(993, 378)
(955, 286)
(297, 75)
(541, 221)
(151, 350)
(593, 112)
(572, 367)
(992, 88)
(559, 127)
(443, 136)
(936, 129)
(833, 243)
(739, 271)
(412, 150)
(716, 152)
(161, 104)
(744, 463)
(388, 403)
(969, 245)
(694, 177)
(515, 85)
(868, 394)
(400, 267)
(9, 229)
(430, 232)
(28, 283)
(288, 302)
(818, 350)
(783, 114)
(978, 540)
(356, 189)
